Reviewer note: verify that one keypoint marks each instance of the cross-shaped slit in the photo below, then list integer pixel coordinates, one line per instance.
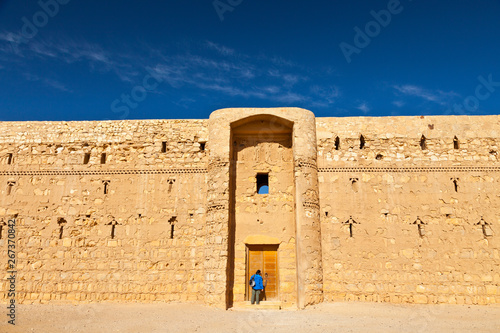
(170, 183)
(106, 186)
(420, 226)
(61, 221)
(172, 221)
(2, 223)
(113, 225)
(350, 222)
(455, 183)
(10, 185)
(485, 226)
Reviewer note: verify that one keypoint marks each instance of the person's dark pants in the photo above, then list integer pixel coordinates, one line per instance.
(255, 296)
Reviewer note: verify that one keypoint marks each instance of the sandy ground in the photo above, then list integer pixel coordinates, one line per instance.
(337, 317)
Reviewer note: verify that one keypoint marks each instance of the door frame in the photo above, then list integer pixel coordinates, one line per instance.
(248, 292)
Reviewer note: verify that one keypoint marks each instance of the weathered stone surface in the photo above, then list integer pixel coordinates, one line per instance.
(159, 210)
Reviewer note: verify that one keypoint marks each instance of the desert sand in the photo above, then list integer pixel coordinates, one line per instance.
(335, 317)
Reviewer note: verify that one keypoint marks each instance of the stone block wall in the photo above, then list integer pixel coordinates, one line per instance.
(423, 213)
(125, 227)
(408, 209)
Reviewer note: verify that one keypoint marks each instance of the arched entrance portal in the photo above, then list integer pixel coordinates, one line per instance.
(263, 199)
(273, 150)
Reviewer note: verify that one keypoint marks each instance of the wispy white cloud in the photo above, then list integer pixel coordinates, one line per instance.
(232, 91)
(287, 79)
(7, 36)
(65, 51)
(399, 104)
(416, 91)
(271, 89)
(68, 51)
(291, 97)
(56, 85)
(52, 83)
(279, 61)
(43, 50)
(436, 96)
(242, 76)
(224, 71)
(363, 107)
(223, 50)
(329, 94)
(72, 51)
(185, 102)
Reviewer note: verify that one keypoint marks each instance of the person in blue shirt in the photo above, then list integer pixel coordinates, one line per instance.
(257, 288)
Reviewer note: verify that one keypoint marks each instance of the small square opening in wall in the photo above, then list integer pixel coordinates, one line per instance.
(262, 183)
(106, 186)
(103, 158)
(362, 142)
(337, 143)
(423, 143)
(86, 158)
(10, 185)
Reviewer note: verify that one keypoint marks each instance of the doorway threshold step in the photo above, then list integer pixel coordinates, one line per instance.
(263, 305)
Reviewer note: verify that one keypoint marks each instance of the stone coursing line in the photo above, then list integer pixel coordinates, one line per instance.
(410, 169)
(204, 170)
(100, 172)
(213, 207)
(303, 164)
(312, 205)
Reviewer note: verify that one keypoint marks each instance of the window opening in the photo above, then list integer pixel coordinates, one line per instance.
(170, 183)
(350, 223)
(263, 183)
(61, 221)
(86, 158)
(420, 225)
(113, 225)
(354, 184)
(337, 143)
(106, 186)
(2, 223)
(487, 232)
(423, 143)
(455, 183)
(10, 185)
(172, 221)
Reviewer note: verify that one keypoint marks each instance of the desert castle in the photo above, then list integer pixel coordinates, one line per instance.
(390, 209)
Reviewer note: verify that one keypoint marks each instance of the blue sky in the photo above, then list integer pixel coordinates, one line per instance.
(95, 60)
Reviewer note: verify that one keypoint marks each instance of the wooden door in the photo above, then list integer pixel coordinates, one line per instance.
(265, 259)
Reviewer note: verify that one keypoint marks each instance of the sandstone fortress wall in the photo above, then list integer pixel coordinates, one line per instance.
(391, 209)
